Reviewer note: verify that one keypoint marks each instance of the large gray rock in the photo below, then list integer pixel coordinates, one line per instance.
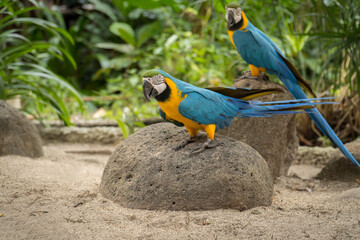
(18, 136)
(340, 168)
(144, 172)
(273, 137)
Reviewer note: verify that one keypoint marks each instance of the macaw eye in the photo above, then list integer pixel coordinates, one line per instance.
(158, 79)
(238, 11)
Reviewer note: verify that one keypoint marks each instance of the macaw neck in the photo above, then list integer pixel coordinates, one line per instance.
(244, 20)
(173, 87)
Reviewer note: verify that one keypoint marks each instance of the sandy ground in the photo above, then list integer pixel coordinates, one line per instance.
(55, 197)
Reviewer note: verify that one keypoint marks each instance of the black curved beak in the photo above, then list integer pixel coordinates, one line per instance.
(148, 90)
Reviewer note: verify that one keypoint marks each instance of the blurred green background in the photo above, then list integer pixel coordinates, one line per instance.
(69, 58)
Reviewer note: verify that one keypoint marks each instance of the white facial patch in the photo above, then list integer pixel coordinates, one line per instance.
(160, 87)
(236, 14)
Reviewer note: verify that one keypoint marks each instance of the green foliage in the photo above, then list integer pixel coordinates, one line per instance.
(165, 41)
(132, 37)
(338, 28)
(124, 31)
(23, 59)
(102, 49)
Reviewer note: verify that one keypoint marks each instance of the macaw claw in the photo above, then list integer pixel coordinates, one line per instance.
(184, 143)
(207, 145)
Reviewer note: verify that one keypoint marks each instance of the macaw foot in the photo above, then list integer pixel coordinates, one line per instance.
(185, 142)
(207, 145)
(247, 75)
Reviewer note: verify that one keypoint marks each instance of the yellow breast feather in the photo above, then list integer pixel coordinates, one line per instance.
(231, 32)
(171, 107)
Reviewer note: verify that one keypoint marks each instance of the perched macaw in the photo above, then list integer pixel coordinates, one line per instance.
(207, 109)
(263, 55)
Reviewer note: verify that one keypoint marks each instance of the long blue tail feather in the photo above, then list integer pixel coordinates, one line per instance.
(261, 109)
(319, 120)
(302, 100)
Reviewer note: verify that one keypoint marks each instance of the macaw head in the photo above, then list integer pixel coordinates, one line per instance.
(153, 84)
(233, 15)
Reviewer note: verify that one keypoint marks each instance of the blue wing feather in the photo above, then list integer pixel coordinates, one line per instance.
(255, 50)
(267, 39)
(211, 107)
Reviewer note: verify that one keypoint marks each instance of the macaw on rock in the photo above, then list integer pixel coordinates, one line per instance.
(263, 55)
(207, 109)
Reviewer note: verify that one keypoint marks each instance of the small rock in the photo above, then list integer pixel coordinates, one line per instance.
(316, 156)
(340, 168)
(18, 136)
(303, 171)
(145, 172)
(273, 137)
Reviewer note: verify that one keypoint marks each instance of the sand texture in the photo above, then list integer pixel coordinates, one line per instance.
(56, 197)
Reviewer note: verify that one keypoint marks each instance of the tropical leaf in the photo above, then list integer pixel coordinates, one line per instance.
(104, 8)
(120, 62)
(219, 5)
(46, 25)
(151, 4)
(10, 54)
(46, 73)
(122, 48)
(338, 30)
(2, 88)
(22, 64)
(14, 14)
(9, 35)
(146, 32)
(123, 128)
(125, 31)
(37, 21)
(122, 6)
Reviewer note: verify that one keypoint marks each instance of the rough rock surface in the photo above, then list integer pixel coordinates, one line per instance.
(18, 136)
(145, 172)
(340, 168)
(273, 137)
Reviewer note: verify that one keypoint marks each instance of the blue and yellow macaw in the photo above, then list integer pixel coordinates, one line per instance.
(263, 55)
(209, 109)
